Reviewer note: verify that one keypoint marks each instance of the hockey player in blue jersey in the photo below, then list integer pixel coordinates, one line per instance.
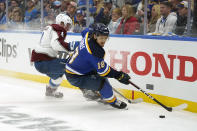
(87, 69)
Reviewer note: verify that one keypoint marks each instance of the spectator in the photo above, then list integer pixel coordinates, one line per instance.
(16, 18)
(13, 3)
(140, 14)
(182, 18)
(64, 5)
(174, 5)
(71, 10)
(134, 3)
(21, 4)
(2, 14)
(82, 5)
(120, 3)
(194, 23)
(37, 4)
(92, 9)
(31, 14)
(115, 21)
(80, 23)
(56, 7)
(97, 2)
(167, 23)
(129, 23)
(103, 15)
(83, 2)
(192, 4)
(49, 15)
(110, 5)
(140, 11)
(155, 15)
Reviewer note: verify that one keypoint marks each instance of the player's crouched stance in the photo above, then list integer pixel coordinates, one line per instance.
(87, 69)
(45, 54)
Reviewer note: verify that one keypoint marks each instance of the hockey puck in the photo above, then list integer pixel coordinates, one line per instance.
(161, 116)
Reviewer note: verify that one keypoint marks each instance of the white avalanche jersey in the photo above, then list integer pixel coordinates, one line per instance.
(51, 41)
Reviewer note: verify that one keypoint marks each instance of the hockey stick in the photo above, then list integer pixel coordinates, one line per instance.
(129, 101)
(179, 107)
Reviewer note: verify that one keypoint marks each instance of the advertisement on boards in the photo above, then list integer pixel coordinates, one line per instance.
(168, 66)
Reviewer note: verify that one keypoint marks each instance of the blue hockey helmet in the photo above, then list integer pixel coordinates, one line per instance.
(91, 29)
(100, 29)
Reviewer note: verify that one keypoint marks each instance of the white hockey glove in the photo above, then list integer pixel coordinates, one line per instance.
(63, 55)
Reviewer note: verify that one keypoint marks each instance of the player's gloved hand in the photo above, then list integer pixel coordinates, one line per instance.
(63, 55)
(73, 45)
(123, 78)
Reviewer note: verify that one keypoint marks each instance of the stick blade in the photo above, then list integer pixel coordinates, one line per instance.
(134, 101)
(180, 107)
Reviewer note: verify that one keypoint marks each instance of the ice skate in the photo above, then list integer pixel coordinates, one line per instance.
(90, 95)
(53, 92)
(101, 101)
(119, 104)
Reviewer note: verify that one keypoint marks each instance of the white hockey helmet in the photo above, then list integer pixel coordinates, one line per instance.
(63, 18)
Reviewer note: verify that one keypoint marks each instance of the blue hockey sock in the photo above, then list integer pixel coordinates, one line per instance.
(107, 93)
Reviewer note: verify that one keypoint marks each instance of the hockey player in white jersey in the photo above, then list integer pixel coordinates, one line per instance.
(45, 54)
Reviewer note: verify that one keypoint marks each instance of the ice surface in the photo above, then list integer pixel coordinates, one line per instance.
(23, 107)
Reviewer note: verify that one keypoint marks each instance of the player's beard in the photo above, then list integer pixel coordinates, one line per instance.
(102, 44)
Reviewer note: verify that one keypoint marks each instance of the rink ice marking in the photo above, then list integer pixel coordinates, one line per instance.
(11, 116)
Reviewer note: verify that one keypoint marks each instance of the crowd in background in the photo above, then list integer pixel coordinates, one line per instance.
(164, 17)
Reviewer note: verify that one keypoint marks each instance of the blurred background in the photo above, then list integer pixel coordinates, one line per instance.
(126, 17)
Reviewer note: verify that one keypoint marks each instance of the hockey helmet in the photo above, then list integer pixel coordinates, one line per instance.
(100, 29)
(91, 29)
(63, 18)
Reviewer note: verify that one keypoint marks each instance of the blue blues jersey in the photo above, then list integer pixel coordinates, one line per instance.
(84, 32)
(89, 57)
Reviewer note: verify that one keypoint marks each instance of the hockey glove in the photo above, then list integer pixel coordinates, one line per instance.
(123, 78)
(63, 55)
(73, 45)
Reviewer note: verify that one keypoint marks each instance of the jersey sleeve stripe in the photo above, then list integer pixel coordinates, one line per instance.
(106, 69)
(87, 45)
(69, 72)
(72, 71)
(106, 72)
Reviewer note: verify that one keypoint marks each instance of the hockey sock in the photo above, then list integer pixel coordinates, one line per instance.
(55, 83)
(107, 93)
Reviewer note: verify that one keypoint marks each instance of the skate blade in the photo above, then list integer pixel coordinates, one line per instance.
(126, 108)
(179, 107)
